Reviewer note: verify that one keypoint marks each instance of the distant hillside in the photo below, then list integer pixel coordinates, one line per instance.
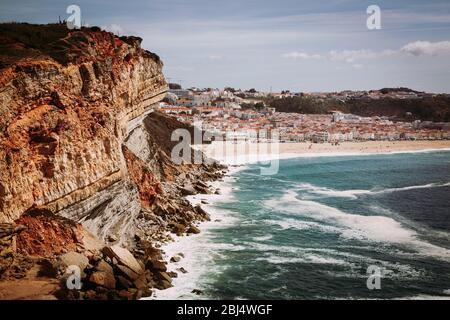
(431, 108)
(400, 89)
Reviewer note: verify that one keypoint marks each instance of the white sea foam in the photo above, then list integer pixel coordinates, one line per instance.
(303, 225)
(351, 262)
(331, 192)
(307, 258)
(263, 238)
(372, 227)
(277, 254)
(199, 250)
(354, 193)
(199, 254)
(424, 186)
(353, 226)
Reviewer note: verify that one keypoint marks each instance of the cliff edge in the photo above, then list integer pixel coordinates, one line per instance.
(84, 159)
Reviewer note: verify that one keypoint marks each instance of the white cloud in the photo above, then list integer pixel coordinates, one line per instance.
(215, 57)
(417, 48)
(351, 56)
(301, 56)
(426, 48)
(358, 66)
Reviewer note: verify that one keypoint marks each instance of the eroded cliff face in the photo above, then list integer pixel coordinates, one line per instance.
(64, 117)
(85, 165)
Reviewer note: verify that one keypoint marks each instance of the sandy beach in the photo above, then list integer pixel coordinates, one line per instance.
(243, 152)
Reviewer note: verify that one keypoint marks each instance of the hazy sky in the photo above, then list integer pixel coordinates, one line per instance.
(301, 45)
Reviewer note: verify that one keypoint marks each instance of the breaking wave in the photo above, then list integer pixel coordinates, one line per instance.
(354, 193)
(279, 237)
(352, 226)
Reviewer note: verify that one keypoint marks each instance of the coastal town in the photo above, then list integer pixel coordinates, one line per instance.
(245, 115)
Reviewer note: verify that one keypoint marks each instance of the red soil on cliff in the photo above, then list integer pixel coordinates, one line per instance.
(144, 179)
(47, 236)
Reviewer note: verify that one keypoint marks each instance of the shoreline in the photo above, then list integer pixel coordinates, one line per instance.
(198, 244)
(196, 248)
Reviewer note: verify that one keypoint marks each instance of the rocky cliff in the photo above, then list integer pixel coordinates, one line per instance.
(83, 155)
(63, 125)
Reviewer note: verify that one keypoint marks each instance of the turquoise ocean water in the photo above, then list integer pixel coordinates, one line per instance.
(312, 230)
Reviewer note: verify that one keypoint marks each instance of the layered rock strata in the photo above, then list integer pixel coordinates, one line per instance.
(85, 166)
